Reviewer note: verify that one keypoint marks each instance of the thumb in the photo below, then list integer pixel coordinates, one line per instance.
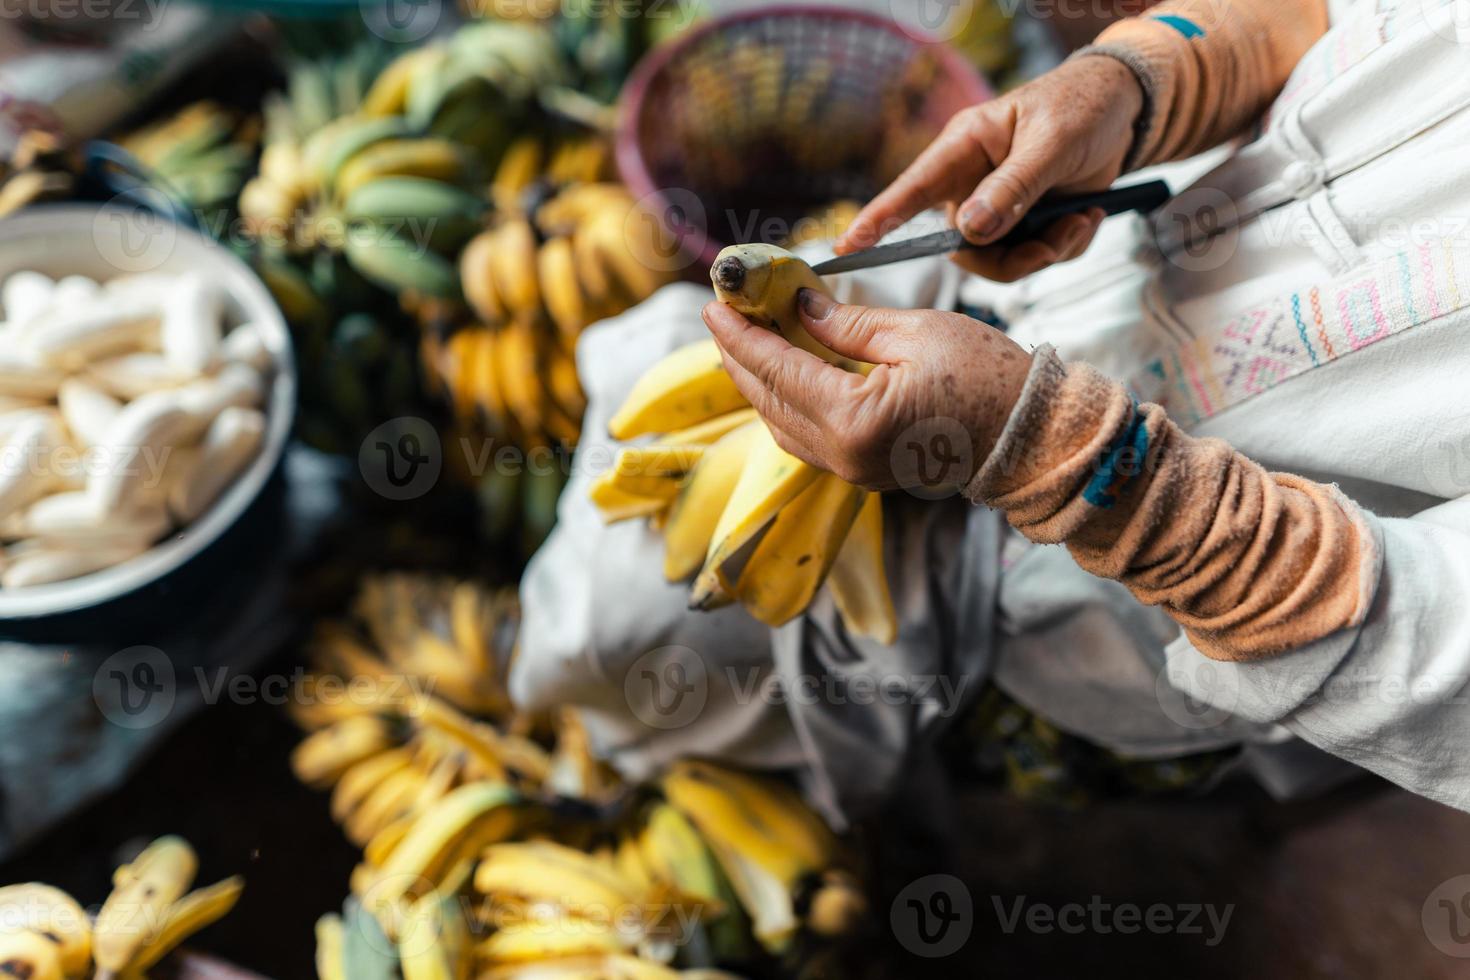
(1007, 193)
(864, 333)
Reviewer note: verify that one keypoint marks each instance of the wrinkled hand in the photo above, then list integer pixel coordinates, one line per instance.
(1068, 131)
(927, 415)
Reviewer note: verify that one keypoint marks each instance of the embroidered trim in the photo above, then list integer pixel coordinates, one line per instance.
(1268, 344)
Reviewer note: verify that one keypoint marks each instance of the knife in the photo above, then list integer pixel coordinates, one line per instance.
(1144, 197)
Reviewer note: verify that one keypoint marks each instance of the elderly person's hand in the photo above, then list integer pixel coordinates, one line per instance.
(1068, 131)
(936, 374)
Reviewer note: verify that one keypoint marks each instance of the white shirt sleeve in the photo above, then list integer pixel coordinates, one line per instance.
(1390, 696)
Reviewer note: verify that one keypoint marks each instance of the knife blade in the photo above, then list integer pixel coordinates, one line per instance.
(1144, 197)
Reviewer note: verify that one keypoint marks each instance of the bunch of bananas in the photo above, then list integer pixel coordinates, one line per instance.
(37, 170)
(199, 156)
(46, 935)
(750, 522)
(535, 281)
(496, 845)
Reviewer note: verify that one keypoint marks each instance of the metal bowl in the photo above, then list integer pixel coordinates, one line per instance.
(104, 243)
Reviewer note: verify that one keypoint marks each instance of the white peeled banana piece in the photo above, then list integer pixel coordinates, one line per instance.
(24, 295)
(45, 564)
(87, 409)
(26, 459)
(71, 335)
(72, 519)
(190, 333)
(228, 447)
(73, 289)
(22, 377)
(246, 345)
(235, 385)
(134, 446)
(129, 376)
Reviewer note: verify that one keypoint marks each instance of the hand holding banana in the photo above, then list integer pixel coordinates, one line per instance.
(926, 365)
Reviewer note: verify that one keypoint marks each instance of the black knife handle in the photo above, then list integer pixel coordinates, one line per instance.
(1144, 197)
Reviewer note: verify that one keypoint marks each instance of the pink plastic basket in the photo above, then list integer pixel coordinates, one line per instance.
(741, 127)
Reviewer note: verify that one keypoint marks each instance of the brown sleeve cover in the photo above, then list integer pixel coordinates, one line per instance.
(1250, 563)
(1208, 67)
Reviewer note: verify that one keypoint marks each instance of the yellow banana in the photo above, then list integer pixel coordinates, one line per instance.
(142, 892)
(859, 581)
(765, 837)
(686, 387)
(562, 214)
(473, 815)
(770, 480)
(394, 797)
(620, 498)
(708, 433)
(30, 955)
(322, 757)
(610, 966)
(388, 94)
(329, 943)
(537, 941)
(518, 169)
(53, 914)
(561, 289)
(477, 280)
(434, 943)
(513, 268)
(184, 918)
(546, 875)
(793, 557)
(762, 282)
(701, 501)
(358, 782)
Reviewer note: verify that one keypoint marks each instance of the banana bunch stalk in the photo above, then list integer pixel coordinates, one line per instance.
(46, 935)
(747, 520)
(200, 156)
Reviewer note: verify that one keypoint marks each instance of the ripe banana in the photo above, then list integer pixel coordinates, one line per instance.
(323, 757)
(328, 150)
(434, 943)
(701, 501)
(540, 874)
(30, 955)
(329, 948)
(771, 479)
(513, 267)
(185, 917)
(142, 892)
(766, 839)
(762, 282)
(54, 915)
(793, 557)
(859, 581)
(388, 95)
(685, 388)
(478, 281)
(561, 289)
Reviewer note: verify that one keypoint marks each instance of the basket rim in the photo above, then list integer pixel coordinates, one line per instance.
(628, 154)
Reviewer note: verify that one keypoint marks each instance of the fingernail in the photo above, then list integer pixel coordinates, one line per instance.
(815, 304)
(979, 220)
